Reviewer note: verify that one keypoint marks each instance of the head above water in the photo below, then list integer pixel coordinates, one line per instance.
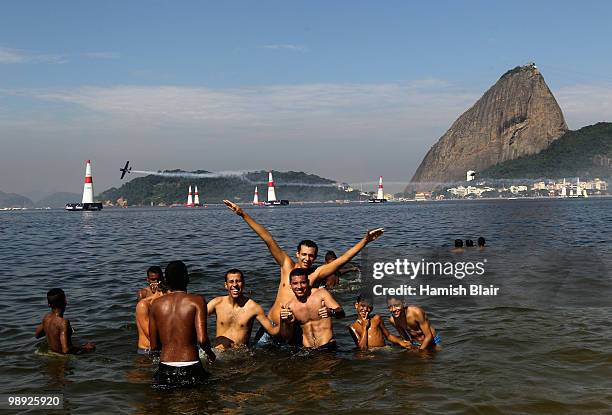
(481, 241)
(300, 285)
(469, 243)
(395, 304)
(458, 243)
(364, 305)
(177, 276)
(155, 277)
(306, 253)
(330, 256)
(56, 298)
(234, 282)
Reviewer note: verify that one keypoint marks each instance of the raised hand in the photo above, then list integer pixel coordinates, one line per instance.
(286, 313)
(234, 207)
(323, 311)
(374, 234)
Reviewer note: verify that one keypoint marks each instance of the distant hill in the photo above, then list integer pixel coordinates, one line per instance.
(586, 152)
(59, 199)
(14, 200)
(294, 186)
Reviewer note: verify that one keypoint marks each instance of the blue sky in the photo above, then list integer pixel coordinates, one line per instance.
(347, 90)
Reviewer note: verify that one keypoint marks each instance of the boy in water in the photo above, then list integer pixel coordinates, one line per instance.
(334, 279)
(413, 325)
(370, 331)
(142, 314)
(57, 328)
(154, 276)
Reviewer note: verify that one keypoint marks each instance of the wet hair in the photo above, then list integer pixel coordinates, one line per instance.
(365, 297)
(458, 243)
(300, 271)
(177, 276)
(234, 271)
(395, 297)
(469, 242)
(330, 255)
(56, 298)
(155, 270)
(310, 244)
(481, 241)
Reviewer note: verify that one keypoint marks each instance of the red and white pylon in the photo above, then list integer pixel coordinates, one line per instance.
(88, 186)
(271, 192)
(196, 197)
(256, 197)
(380, 195)
(189, 198)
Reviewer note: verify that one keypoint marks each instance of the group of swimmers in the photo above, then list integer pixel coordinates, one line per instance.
(174, 322)
(469, 244)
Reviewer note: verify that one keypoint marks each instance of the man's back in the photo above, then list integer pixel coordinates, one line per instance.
(54, 326)
(178, 318)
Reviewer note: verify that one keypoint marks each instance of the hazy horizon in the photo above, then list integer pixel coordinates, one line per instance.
(345, 91)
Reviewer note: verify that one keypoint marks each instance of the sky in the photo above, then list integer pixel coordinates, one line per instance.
(348, 90)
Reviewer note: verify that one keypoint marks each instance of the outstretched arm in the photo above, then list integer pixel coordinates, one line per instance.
(265, 323)
(279, 255)
(393, 338)
(326, 270)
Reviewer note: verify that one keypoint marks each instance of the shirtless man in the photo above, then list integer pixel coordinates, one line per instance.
(334, 279)
(306, 255)
(236, 314)
(142, 316)
(312, 310)
(177, 325)
(154, 276)
(413, 325)
(57, 328)
(370, 331)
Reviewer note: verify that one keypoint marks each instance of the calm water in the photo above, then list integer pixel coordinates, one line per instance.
(533, 351)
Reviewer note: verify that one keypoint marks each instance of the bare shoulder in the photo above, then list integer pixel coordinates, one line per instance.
(196, 299)
(253, 306)
(376, 319)
(416, 311)
(143, 305)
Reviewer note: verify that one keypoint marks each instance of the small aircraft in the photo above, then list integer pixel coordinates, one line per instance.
(125, 169)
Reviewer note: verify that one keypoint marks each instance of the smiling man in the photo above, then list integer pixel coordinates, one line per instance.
(306, 254)
(236, 314)
(312, 310)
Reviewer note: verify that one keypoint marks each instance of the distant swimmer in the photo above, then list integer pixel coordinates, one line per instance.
(333, 279)
(236, 314)
(481, 243)
(177, 326)
(458, 246)
(154, 276)
(142, 316)
(369, 331)
(413, 324)
(312, 310)
(57, 328)
(469, 243)
(306, 255)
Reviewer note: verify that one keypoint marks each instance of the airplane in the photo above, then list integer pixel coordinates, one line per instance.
(125, 169)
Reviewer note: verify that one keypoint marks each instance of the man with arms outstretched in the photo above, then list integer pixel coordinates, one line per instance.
(177, 325)
(236, 313)
(312, 310)
(306, 255)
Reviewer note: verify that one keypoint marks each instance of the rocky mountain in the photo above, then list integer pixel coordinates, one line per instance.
(517, 116)
(585, 153)
(294, 186)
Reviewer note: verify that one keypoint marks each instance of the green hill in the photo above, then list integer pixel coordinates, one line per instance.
(8, 200)
(586, 152)
(294, 186)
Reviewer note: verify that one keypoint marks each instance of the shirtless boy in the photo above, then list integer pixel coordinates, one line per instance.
(142, 316)
(236, 314)
(413, 325)
(57, 328)
(312, 310)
